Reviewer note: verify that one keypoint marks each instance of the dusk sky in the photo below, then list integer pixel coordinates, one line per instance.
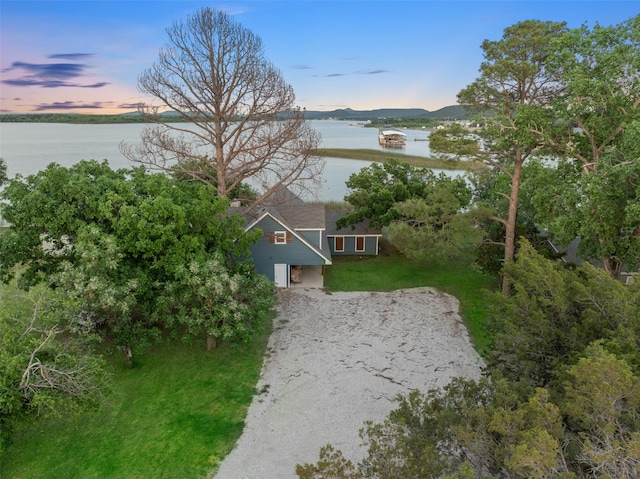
(85, 56)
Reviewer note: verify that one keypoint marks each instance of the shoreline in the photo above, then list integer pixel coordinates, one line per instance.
(378, 156)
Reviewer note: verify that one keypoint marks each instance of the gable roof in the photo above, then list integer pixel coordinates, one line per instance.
(283, 197)
(289, 208)
(323, 252)
(303, 217)
(294, 215)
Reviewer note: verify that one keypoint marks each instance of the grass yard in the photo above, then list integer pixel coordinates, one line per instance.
(181, 409)
(175, 415)
(384, 156)
(393, 271)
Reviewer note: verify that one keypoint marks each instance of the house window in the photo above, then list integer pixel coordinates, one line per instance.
(280, 237)
(339, 243)
(359, 243)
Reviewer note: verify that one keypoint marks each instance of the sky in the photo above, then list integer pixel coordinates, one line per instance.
(84, 56)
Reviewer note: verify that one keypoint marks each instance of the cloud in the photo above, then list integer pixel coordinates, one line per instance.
(50, 83)
(71, 56)
(302, 67)
(71, 105)
(50, 70)
(371, 72)
(376, 71)
(129, 106)
(50, 75)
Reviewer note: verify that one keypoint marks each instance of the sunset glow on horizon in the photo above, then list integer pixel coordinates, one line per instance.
(85, 56)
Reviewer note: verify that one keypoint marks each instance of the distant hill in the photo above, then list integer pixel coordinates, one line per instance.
(446, 113)
(453, 112)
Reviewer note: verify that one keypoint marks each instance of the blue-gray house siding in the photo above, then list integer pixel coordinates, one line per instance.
(354, 245)
(313, 236)
(297, 249)
(360, 239)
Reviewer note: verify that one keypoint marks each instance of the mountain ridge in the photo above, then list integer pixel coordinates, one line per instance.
(446, 113)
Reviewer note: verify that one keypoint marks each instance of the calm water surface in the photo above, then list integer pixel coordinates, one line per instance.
(29, 147)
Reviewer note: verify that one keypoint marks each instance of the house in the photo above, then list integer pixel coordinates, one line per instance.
(361, 239)
(293, 245)
(299, 239)
(570, 256)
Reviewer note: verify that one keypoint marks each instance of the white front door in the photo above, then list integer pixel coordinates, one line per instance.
(280, 275)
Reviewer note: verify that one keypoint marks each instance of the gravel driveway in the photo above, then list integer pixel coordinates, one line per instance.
(336, 360)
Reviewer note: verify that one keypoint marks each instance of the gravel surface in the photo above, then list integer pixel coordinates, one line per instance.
(336, 360)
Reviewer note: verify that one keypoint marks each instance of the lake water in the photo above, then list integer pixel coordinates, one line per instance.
(29, 147)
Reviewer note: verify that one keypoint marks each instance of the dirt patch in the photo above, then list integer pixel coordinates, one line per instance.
(336, 360)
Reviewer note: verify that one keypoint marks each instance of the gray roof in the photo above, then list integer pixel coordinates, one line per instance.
(302, 217)
(571, 255)
(283, 197)
(361, 229)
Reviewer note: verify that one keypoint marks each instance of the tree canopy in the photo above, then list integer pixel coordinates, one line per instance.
(45, 368)
(376, 190)
(3, 171)
(114, 245)
(596, 188)
(420, 211)
(511, 95)
(242, 124)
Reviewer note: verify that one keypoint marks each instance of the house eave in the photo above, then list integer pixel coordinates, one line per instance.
(327, 261)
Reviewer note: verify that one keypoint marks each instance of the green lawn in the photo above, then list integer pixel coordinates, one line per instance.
(175, 415)
(181, 409)
(393, 271)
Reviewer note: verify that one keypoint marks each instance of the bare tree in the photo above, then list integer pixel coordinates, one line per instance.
(239, 121)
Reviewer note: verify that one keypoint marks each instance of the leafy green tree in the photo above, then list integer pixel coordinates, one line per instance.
(466, 429)
(531, 436)
(115, 243)
(214, 75)
(242, 191)
(375, 190)
(47, 365)
(3, 172)
(331, 465)
(421, 211)
(488, 184)
(206, 297)
(602, 401)
(599, 71)
(436, 228)
(46, 212)
(554, 313)
(454, 141)
(600, 209)
(512, 94)
(101, 291)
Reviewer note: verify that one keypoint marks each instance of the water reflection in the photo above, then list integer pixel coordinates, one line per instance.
(29, 147)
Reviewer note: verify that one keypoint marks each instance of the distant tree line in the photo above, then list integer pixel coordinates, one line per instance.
(79, 118)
